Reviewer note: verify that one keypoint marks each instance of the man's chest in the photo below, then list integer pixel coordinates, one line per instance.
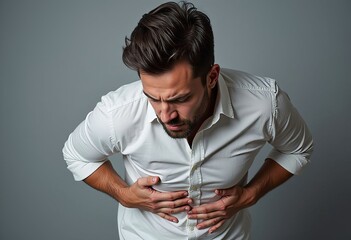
(219, 157)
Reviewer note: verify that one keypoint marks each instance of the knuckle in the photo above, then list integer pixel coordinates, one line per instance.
(222, 213)
(207, 210)
(139, 181)
(204, 210)
(153, 207)
(172, 197)
(222, 208)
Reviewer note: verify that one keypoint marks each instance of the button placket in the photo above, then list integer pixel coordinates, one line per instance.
(195, 181)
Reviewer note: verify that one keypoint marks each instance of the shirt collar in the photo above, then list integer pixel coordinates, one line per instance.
(223, 104)
(150, 113)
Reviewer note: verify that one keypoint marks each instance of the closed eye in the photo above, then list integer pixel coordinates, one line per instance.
(153, 100)
(179, 100)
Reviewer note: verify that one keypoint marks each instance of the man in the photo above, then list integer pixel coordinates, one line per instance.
(188, 132)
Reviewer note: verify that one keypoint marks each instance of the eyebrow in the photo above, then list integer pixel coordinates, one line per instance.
(150, 96)
(172, 99)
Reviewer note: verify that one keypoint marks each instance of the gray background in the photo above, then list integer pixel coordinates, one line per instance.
(57, 58)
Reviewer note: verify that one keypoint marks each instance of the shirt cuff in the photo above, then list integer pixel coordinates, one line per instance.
(82, 170)
(291, 162)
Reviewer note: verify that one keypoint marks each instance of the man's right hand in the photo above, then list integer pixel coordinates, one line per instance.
(141, 195)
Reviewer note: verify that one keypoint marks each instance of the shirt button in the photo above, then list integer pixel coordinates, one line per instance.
(194, 188)
(191, 228)
(195, 166)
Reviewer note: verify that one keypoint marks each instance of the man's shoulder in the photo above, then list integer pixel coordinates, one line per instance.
(124, 96)
(244, 80)
(249, 93)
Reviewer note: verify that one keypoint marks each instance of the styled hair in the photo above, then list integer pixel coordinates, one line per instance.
(169, 34)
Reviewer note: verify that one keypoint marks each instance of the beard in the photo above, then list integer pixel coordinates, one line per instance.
(187, 125)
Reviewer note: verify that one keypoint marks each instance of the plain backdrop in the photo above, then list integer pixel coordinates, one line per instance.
(57, 58)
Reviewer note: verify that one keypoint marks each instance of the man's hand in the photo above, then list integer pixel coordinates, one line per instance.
(141, 195)
(215, 214)
(270, 175)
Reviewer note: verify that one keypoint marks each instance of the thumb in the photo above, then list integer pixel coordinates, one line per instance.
(226, 192)
(220, 192)
(148, 181)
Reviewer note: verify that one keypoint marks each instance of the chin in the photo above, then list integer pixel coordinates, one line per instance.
(180, 134)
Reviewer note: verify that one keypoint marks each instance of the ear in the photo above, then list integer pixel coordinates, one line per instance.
(212, 76)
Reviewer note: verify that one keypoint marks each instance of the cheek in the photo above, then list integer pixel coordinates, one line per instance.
(188, 111)
(183, 111)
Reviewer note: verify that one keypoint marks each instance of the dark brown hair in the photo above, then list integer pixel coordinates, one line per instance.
(168, 34)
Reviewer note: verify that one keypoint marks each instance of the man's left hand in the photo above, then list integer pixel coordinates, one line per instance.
(215, 214)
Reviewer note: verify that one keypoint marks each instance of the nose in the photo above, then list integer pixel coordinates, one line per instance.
(167, 112)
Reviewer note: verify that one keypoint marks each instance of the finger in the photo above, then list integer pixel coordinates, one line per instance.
(207, 208)
(175, 204)
(169, 196)
(228, 191)
(207, 215)
(168, 217)
(148, 181)
(210, 223)
(172, 211)
(220, 192)
(215, 227)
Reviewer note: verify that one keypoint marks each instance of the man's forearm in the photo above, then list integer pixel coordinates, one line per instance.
(270, 175)
(106, 179)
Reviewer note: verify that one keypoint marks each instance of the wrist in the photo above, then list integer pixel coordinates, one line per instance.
(251, 195)
(121, 194)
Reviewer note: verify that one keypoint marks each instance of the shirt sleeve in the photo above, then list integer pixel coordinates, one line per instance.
(290, 137)
(89, 145)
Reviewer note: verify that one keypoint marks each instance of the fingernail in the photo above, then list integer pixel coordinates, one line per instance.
(185, 194)
(154, 179)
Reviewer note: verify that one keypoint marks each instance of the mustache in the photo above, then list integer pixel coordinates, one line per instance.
(174, 121)
(171, 122)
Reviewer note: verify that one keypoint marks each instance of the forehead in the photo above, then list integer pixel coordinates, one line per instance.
(179, 80)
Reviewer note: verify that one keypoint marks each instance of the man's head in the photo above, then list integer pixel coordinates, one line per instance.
(182, 103)
(172, 50)
(169, 34)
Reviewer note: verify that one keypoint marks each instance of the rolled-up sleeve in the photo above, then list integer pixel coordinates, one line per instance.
(89, 145)
(290, 137)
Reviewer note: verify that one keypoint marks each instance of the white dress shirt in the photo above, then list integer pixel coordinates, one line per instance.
(250, 111)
